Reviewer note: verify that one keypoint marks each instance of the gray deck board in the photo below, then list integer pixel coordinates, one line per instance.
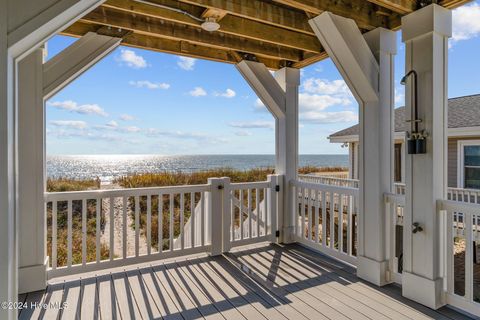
(268, 282)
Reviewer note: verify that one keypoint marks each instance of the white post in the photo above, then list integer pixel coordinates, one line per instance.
(279, 93)
(426, 33)
(8, 260)
(366, 64)
(33, 262)
(215, 208)
(272, 206)
(286, 141)
(227, 216)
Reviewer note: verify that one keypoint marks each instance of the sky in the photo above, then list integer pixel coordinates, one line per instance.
(142, 102)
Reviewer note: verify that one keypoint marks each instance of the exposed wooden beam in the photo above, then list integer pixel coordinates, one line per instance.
(452, 4)
(169, 46)
(363, 12)
(399, 6)
(310, 59)
(261, 11)
(174, 31)
(230, 24)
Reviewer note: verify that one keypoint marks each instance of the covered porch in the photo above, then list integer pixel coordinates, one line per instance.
(331, 249)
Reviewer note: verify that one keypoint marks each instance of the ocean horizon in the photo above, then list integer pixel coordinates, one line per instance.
(109, 167)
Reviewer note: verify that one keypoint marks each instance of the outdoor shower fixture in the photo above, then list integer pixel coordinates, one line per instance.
(416, 140)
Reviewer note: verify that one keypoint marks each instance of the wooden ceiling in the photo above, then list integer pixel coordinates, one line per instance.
(275, 32)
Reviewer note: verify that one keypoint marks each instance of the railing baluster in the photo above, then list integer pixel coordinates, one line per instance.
(340, 223)
(202, 218)
(295, 208)
(182, 212)
(160, 223)
(137, 226)
(249, 212)
(98, 220)
(241, 213)
(324, 218)
(468, 222)
(266, 207)
(149, 224)
(257, 208)
(84, 232)
(192, 219)
(349, 224)
(112, 231)
(309, 209)
(232, 215)
(54, 234)
(69, 233)
(124, 226)
(303, 213)
(332, 219)
(317, 214)
(172, 213)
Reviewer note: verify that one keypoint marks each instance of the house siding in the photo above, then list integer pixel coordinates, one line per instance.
(453, 160)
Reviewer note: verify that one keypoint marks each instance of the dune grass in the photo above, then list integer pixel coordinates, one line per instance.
(63, 185)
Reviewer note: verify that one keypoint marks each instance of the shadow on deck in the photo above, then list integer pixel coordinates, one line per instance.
(266, 282)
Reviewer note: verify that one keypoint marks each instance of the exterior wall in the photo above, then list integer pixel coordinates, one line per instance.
(452, 159)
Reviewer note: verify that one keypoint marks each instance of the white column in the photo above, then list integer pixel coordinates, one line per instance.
(426, 33)
(8, 263)
(279, 93)
(286, 139)
(31, 183)
(376, 149)
(366, 64)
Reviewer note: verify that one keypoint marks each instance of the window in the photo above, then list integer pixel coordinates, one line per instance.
(398, 163)
(469, 164)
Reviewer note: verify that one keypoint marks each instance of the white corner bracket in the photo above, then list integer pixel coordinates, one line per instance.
(66, 66)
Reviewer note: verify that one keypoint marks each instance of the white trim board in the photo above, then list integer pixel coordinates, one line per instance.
(460, 159)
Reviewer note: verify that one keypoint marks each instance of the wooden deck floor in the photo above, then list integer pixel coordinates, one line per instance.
(269, 282)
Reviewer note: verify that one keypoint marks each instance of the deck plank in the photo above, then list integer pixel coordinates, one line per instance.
(269, 273)
(53, 301)
(107, 298)
(147, 306)
(32, 298)
(167, 308)
(89, 299)
(183, 303)
(71, 297)
(230, 291)
(311, 283)
(126, 301)
(190, 290)
(259, 297)
(210, 292)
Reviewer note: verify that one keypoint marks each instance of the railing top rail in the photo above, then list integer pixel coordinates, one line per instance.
(325, 187)
(249, 185)
(465, 207)
(327, 177)
(105, 193)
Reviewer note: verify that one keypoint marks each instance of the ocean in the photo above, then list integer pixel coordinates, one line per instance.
(108, 167)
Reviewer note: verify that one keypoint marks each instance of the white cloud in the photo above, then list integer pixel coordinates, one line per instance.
(186, 63)
(126, 117)
(69, 123)
(131, 59)
(323, 86)
(150, 85)
(198, 92)
(131, 129)
(243, 133)
(399, 96)
(466, 22)
(252, 125)
(112, 124)
(72, 106)
(229, 93)
(321, 117)
(320, 102)
(152, 132)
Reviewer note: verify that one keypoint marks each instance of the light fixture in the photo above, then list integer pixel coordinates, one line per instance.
(416, 143)
(210, 24)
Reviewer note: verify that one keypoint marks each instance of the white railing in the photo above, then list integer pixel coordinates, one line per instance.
(333, 181)
(464, 195)
(326, 218)
(394, 208)
(93, 230)
(460, 224)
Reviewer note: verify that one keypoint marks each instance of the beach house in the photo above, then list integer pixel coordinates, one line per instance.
(284, 248)
(463, 163)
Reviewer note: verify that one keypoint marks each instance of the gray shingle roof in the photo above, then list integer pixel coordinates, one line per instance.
(462, 112)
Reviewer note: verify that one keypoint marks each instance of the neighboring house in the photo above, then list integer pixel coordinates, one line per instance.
(463, 143)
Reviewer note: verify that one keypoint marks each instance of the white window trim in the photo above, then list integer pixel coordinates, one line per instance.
(460, 159)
